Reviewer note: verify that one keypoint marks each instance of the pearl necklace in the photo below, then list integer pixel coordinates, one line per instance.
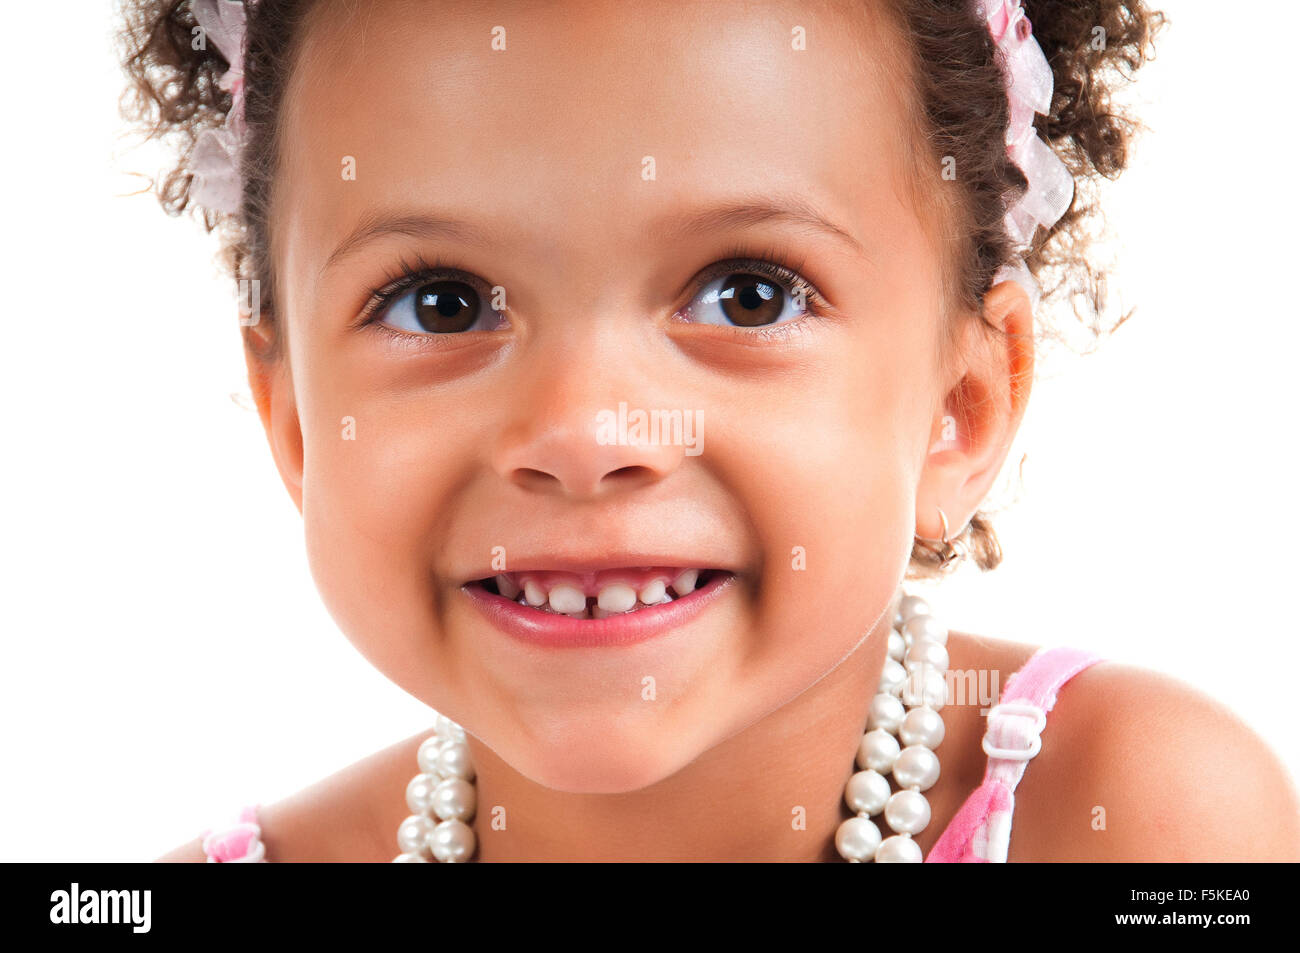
(913, 688)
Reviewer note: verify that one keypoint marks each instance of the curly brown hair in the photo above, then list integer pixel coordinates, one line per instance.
(958, 113)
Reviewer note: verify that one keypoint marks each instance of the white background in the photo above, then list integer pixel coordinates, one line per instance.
(166, 658)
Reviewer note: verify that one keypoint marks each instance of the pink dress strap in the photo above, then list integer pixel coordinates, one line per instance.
(981, 831)
(238, 843)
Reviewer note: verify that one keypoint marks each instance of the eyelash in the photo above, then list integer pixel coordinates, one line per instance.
(744, 259)
(408, 275)
(740, 259)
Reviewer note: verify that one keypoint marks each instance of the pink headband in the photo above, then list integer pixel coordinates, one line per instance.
(215, 159)
(1028, 80)
(1028, 77)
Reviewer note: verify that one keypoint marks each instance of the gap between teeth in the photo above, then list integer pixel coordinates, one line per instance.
(615, 599)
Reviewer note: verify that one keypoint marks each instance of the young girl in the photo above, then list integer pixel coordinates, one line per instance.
(623, 361)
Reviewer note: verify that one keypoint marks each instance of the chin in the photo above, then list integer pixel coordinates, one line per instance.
(601, 762)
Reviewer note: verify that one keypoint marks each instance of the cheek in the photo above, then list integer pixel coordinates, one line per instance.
(377, 479)
(846, 541)
(823, 466)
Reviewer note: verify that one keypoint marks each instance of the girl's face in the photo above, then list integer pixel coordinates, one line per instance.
(593, 164)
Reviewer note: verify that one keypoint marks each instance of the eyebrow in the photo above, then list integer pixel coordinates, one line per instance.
(728, 216)
(377, 223)
(747, 212)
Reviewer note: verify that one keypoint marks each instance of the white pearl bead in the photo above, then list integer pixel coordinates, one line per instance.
(878, 751)
(922, 726)
(909, 607)
(867, 792)
(409, 859)
(898, 850)
(454, 761)
(413, 835)
(892, 677)
(925, 686)
(897, 647)
(419, 793)
(886, 712)
(454, 800)
(925, 652)
(857, 839)
(907, 812)
(916, 767)
(427, 756)
(926, 627)
(452, 842)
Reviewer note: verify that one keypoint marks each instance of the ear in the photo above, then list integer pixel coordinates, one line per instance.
(270, 379)
(981, 413)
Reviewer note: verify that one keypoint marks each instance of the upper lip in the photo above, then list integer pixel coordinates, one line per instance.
(581, 564)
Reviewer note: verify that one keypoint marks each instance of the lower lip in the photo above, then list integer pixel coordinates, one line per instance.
(560, 631)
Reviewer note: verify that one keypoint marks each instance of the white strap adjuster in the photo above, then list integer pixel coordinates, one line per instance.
(1023, 709)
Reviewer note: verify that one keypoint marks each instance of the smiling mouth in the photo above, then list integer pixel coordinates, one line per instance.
(598, 595)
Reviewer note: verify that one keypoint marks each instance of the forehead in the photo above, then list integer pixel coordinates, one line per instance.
(542, 119)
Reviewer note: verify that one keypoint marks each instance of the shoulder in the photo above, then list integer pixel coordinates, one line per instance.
(982, 653)
(349, 816)
(1139, 766)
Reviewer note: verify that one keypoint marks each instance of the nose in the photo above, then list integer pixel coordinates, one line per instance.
(584, 449)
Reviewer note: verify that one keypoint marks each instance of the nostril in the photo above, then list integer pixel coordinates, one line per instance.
(531, 479)
(583, 483)
(630, 475)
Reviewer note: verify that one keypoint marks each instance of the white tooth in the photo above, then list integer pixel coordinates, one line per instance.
(684, 584)
(506, 587)
(617, 597)
(534, 593)
(521, 600)
(653, 593)
(568, 599)
(666, 599)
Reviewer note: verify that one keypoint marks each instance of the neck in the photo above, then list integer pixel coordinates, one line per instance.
(772, 792)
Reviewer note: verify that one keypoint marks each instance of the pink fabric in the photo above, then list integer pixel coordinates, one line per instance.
(981, 830)
(238, 843)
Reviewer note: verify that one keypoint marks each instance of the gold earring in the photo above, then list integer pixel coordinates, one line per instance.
(948, 550)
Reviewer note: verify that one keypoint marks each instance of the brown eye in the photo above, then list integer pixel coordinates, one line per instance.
(446, 306)
(750, 301)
